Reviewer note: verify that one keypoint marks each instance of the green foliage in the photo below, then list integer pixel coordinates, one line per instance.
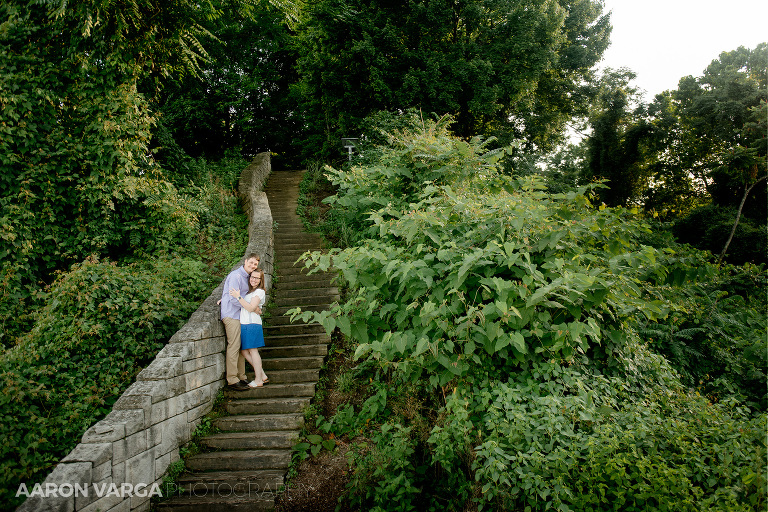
(313, 443)
(717, 340)
(240, 99)
(560, 438)
(509, 66)
(493, 277)
(613, 148)
(708, 228)
(703, 143)
(524, 320)
(76, 176)
(385, 477)
(100, 325)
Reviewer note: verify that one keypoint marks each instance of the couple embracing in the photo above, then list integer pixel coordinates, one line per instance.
(241, 302)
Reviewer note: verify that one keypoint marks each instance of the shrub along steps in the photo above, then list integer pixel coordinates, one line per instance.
(246, 460)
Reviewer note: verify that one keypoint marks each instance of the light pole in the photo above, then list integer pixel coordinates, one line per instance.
(349, 144)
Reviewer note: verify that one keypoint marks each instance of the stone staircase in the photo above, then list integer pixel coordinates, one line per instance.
(250, 455)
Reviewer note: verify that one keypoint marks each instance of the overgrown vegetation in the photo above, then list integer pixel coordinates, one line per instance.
(101, 323)
(519, 349)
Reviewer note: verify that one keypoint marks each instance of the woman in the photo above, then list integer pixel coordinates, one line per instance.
(251, 333)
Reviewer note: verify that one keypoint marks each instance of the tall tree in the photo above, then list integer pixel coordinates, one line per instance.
(76, 177)
(614, 150)
(509, 67)
(720, 115)
(240, 98)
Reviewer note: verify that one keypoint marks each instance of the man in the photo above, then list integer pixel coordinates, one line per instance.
(230, 315)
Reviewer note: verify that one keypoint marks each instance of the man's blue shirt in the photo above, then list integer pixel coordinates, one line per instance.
(237, 279)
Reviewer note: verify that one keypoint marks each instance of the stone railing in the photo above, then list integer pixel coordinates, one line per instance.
(121, 460)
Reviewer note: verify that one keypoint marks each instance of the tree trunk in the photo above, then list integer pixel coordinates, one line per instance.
(747, 190)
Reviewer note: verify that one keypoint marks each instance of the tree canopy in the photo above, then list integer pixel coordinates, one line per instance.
(76, 174)
(513, 68)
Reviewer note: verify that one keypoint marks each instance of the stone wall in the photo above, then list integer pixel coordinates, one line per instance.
(120, 458)
(256, 206)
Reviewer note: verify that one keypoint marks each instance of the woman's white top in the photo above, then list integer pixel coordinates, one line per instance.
(248, 317)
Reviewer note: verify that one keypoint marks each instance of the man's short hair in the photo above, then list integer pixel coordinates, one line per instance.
(252, 255)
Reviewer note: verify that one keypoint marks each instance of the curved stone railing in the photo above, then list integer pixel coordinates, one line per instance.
(120, 462)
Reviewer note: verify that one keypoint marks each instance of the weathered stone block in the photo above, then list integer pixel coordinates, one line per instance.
(181, 349)
(109, 429)
(161, 464)
(210, 346)
(135, 402)
(197, 329)
(118, 472)
(102, 471)
(157, 390)
(123, 506)
(74, 473)
(200, 378)
(161, 369)
(169, 435)
(201, 362)
(194, 415)
(129, 447)
(140, 469)
(139, 504)
(194, 398)
(95, 453)
(161, 411)
(106, 502)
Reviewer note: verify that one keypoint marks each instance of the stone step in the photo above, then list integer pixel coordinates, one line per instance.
(224, 483)
(288, 222)
(296, 234)
(308, 280)
(267, 406)
(292, 329)
(293, 363)
(240, 460)
(273, 321)
(273, 390)
(232, 484)
(251, 441)
(290, 376)
(219, 503)
(300, 293)
(290, 254)
(260, 422)
(301, 281)
(305, 301)
(287, 351)
(295, 229)
(289, 269)
(299, 245)
(280, 311)
(294, 340)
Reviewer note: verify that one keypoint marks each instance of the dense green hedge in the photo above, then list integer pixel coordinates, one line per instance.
(709, 227)
(101, 324)
(521, 346)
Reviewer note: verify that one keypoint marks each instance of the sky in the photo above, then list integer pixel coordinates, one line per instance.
(665, 40)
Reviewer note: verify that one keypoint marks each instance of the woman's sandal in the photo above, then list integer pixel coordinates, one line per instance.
(253, 384)
(265, 381)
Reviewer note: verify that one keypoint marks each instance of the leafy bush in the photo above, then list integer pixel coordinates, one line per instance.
(517, 312)
(101, 324)
(103, 321)
(709, 227)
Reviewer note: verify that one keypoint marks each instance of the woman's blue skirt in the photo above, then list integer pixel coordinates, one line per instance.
(251, 336)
